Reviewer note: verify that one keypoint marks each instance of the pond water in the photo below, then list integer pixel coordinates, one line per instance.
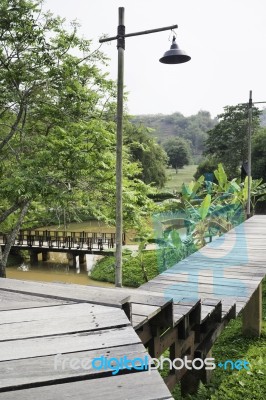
(56, 270)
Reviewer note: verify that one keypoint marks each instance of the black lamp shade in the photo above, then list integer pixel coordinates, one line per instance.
(174, 55)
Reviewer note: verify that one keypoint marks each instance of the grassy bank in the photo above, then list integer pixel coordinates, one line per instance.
(133, 275)
(137, 266)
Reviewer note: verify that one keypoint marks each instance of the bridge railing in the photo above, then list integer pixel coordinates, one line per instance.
(64, 239)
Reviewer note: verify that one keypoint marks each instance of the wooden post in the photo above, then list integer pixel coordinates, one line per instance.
(252, 314)
(206, 374)
(190, 383)
(119, 147)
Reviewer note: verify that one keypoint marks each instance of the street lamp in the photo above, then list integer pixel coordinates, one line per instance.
(172, 56)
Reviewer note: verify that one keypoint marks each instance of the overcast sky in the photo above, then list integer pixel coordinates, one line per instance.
(226, 40)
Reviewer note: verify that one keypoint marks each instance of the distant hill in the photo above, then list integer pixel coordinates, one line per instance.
(193, 128)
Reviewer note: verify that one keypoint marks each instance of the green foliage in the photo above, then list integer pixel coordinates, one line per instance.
(57, 130)
(150, 155)
(207, 208)
(50, 132)
(191, 128)
(104, 270)
(206, 168)
(259, 155)
(142, 265)
(178, 152)
(228, 140)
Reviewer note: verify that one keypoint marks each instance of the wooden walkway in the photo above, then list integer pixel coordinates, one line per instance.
(183, 309)
(72, 323)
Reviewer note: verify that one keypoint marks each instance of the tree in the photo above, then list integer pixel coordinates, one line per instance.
(150, 155)
(259, 155)
(57, 130)
(206, 168)
(228, 140)
(193, 128)
(178, 151)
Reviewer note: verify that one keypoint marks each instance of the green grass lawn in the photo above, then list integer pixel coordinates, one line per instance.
(175, 180)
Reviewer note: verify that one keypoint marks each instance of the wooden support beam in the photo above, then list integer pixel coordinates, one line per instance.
(207, 373)
(252, 314)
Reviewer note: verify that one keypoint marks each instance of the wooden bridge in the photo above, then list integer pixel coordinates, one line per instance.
(63, 241)
(45, 328)
(75, 244)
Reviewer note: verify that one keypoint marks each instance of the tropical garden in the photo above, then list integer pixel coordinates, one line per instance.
(57, 161)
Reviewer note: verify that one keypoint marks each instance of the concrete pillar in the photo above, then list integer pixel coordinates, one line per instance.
(76, 261)
(45, 256)
(33, 257)
(82, 258)
(73, 260)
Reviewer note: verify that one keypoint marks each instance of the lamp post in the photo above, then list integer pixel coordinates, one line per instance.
(249, 151)
(172, 56)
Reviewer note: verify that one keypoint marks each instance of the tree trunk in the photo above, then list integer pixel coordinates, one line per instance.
(2, 267)
(144, 271)
(11, 239)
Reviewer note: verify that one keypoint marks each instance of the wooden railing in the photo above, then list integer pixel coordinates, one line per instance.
(64, 239)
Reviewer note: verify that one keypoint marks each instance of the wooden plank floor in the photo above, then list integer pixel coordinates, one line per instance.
(41, 337)
(229, 269)
(46, 327)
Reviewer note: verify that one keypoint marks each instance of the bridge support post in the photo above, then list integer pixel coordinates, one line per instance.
(45, 256)
(252, 314)
(76, 261)
(73, 260)
(33, 257)
(82, 258)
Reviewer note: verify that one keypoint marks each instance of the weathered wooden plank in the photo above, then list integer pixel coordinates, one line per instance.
(199, 265)
(11, 301)
(223, 281)
(66, 325)
(194, 273)
(44, 346)
(144, 385)
(195, 293)
(208, 310)
(145, 310)
(182, 309)
(142, 297)
(138, 321)
(73, 292)
(198, 290)
(60, 311)
(36, 370)
(178, 318)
